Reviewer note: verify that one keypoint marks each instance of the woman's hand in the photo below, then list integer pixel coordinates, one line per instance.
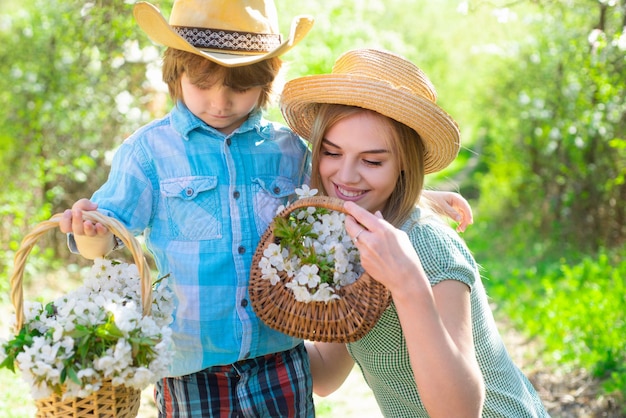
(436, 321)
(386, 252)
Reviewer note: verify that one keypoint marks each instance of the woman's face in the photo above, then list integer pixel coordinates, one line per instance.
(356, 162)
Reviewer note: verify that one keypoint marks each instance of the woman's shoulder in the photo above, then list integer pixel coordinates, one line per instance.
(428, 225)
(444, 255)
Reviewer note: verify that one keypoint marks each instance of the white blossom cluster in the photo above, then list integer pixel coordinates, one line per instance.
(107, 307)
(332, 246)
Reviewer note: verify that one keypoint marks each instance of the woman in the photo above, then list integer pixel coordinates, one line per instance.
(376, 132)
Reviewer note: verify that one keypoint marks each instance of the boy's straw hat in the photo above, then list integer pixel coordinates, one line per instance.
(380, 81)
(229, 32)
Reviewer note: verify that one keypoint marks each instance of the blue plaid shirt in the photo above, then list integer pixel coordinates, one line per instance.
(202, 200)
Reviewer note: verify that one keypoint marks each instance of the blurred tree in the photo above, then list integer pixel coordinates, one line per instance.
(72, 87)
(555, 130)
(543, 109)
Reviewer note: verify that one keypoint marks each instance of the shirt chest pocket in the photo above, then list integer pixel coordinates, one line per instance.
(269, 193)
(193, 208)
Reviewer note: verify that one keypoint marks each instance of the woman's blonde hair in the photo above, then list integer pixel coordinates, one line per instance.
(203, 73)
(405, 144)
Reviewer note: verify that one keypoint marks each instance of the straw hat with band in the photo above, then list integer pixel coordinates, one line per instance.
(380, 81)
(229, 32)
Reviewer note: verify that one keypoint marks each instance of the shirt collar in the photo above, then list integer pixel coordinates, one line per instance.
(184, 122)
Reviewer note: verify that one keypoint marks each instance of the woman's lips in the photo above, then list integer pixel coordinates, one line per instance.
(348, 194)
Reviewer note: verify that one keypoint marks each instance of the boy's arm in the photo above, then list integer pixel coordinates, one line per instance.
(92, 247)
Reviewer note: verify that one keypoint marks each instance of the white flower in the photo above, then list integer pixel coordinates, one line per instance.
(105, 364)
(274, 254)
(279, 209)
(271, 275)
(301, 293)
(107, 308)
(3, 354)
(328, 243)
(307, 276)
(305, 191)
(41, 390)
(324, 294)
(88, 373)
(142, 377)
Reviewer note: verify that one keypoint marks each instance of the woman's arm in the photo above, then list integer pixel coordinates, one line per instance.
(436, 321)
(445, 369)
(330, 366)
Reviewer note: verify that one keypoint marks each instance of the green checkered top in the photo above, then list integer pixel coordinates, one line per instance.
(382, 354)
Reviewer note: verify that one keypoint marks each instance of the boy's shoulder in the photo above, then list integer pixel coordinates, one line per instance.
(280, 131)
(155, 124)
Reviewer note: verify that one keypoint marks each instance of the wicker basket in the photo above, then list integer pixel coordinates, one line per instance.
(346, 319)
(110, 401)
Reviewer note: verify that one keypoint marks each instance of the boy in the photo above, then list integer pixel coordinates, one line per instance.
(202, 184)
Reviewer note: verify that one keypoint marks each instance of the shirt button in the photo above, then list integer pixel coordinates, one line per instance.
(189, 191)
(244, 303)
(236, 195)
(241, 249)
(228, 141)
(276, 189)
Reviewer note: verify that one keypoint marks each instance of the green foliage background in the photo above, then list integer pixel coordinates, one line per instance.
(538, 88)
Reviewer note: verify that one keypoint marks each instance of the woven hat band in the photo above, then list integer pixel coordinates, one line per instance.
(230, 33)
(226, 40)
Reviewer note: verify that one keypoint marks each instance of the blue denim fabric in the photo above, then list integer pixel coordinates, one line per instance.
(202, 199)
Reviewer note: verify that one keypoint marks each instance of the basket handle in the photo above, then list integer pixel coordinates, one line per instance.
(116, 227)
(332, 203)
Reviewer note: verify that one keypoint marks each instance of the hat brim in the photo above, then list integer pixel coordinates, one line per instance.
(152, 22)
(440, 135)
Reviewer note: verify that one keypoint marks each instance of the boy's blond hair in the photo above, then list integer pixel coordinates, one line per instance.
(203, 73)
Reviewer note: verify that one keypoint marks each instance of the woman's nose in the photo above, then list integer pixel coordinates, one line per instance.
(348, 173)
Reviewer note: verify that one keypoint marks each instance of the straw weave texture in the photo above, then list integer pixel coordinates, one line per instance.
(385, 83)
(346, 319)
(110, 401)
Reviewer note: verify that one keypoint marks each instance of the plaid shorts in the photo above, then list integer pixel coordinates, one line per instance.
(275, 385)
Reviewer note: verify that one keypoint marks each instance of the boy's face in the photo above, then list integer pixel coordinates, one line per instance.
(219, 106)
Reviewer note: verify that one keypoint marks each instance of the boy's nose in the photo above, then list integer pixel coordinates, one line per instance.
(220, 98)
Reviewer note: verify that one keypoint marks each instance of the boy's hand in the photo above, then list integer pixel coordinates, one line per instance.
(92, 239)
(72, 220)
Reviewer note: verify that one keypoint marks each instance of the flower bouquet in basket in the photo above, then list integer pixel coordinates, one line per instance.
(306, 279)
(91, 352)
